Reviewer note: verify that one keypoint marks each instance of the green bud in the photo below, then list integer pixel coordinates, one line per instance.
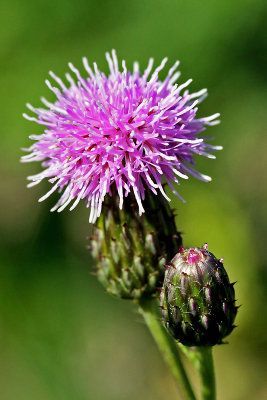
(197, 299)
(131, 250)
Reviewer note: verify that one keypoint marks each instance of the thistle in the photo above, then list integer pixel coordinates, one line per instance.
(116, 141)
(197, 299)
(125, 132)
(131, 250)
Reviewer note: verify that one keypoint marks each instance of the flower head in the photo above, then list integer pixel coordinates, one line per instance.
(126, 131)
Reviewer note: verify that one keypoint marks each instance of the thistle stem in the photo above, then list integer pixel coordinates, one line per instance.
(149, 309)
(205, 367)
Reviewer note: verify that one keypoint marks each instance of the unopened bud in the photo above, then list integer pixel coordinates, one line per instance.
(197, 300)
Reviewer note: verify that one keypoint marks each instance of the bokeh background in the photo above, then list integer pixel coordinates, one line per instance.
(61, 336)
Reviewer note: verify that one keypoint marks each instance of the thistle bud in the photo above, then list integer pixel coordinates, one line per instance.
(197, 299)
(130, 250)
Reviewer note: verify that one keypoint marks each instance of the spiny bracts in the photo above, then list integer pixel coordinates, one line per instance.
(131, 250)
(197, 299)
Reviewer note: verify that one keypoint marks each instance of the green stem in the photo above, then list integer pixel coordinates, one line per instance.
(206, 369)
(149, 309)
(191, 353)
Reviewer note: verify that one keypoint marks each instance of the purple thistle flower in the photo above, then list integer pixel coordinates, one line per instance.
(125, 131)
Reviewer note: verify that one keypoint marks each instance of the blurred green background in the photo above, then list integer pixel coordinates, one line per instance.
(61, 336)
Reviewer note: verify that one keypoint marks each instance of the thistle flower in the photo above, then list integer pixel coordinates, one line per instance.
(197, 299)
(126, 131)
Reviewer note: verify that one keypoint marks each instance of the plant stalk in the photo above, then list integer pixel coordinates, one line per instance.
(150, 311)
(205, 367)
